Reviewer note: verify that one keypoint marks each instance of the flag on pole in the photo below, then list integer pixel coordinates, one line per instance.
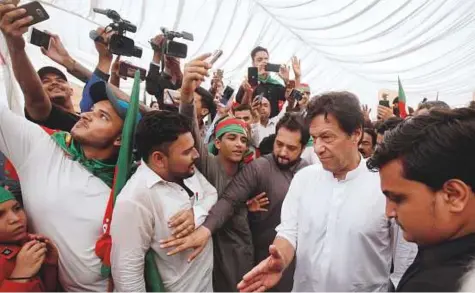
(123, 171)
(401, 100)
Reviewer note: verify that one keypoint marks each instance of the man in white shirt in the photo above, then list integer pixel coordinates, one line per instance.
(333, 217)
(166, 183)
(266, 126)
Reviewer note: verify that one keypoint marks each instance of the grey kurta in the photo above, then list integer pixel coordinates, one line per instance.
(262, 175)
(233, 249)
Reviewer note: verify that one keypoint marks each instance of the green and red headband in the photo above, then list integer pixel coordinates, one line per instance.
(230, 125)
(304, 87)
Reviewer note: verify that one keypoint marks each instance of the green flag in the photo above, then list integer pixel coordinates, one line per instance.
(401, 100)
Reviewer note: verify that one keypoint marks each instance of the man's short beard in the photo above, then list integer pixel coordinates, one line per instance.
(285, 166)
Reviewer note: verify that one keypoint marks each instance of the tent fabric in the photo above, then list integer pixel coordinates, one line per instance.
(355, 45)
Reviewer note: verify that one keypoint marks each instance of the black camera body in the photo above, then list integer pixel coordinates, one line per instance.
(119, 44)
(173, 48)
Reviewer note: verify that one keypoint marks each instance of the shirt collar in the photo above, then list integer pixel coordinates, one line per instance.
(151, 178)
(451, 249)
(361, 168)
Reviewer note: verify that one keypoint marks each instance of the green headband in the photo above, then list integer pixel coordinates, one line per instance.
(5, 195)
(234, 128)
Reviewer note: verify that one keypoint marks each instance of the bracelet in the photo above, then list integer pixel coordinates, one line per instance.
(25, 278)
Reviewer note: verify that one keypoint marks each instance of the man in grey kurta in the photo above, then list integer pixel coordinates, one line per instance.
(233, 249)
(271, 174)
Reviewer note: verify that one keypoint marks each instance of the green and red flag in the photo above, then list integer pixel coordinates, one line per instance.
(123, 171)
(401, 100)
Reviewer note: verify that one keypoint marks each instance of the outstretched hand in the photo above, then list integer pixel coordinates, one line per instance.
(265, 275)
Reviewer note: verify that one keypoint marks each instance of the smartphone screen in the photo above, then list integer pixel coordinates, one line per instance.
(227, 94)
(384, 103)
(39, 38)
(128, 70)
(272, 67)
(252, 76)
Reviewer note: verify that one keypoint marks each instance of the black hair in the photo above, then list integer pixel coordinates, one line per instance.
(389, 124)
(344, 106)
(257, 50)
(242, 107)
(267, 145)
(433, 105)
(432, 148)
(157, 130)
(207, 101)
(294, 122)
(373, 135)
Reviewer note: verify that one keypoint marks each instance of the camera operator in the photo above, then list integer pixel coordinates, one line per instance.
(172, 73)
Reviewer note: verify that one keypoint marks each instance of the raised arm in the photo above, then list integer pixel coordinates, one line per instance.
(195, 72)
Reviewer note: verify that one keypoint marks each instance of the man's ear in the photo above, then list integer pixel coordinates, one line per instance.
(204, 112)
(456, 194)
(118, 141)
(217, 144)
(158, 159)
(357, 136)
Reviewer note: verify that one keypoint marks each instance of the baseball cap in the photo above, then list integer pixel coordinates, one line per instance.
(51, 70)
(99, 91)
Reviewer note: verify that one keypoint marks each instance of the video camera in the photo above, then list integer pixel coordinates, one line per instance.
(118, 44)
(172, 48)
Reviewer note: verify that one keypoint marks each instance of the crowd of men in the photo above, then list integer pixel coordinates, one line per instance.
(265, 193)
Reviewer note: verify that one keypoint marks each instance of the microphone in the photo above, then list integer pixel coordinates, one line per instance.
(112, 14)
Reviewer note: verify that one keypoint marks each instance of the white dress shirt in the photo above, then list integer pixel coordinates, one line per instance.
(260, 131)
(339, 230)
(62, 199)
(140, 221)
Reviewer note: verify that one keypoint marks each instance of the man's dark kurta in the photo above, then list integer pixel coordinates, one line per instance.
(262, 175)
(439, 268)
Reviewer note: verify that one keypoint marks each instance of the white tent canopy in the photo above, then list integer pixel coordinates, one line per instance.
(356, 45)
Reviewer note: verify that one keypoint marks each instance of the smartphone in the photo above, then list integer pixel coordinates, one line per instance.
(252, 76)
(219, 73)
(272, 67)
(36, 10)
(296, 95)
(384, 103)
(128, 70)
(171, 97)
(39, 38)
(227, 94)
(216, 54)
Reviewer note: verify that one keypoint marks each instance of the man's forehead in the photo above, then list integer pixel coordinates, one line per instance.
(243, 112)
(288, 137)
(321, 123)
(52, 76)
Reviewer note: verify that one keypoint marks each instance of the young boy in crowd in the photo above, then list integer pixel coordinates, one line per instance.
(28, 263)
